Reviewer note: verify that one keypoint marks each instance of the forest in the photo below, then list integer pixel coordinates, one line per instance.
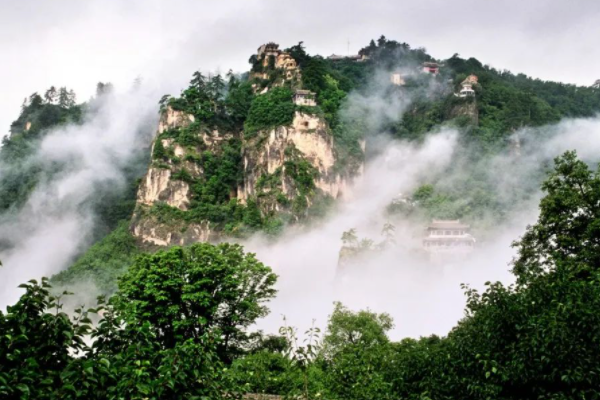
(177, 327)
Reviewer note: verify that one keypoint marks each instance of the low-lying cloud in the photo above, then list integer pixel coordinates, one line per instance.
(423, 297)
(58, 220)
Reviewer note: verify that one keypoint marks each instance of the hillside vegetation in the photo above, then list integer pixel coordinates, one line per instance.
(176, 322)
(177, 328)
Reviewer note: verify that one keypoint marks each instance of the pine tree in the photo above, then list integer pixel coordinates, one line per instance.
(35, 101)
(159, 152)
(198, 81)
(50, 95)
(63, 97)
(72, 98)
(103, 88)
(163, 102)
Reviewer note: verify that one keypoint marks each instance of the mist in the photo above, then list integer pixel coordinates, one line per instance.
(57, 222)
(423, 297)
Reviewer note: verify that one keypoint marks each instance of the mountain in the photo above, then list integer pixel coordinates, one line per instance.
(268, 156)
(279, 145)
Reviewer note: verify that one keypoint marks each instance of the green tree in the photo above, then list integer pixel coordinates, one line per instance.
(568, 229)
(37, 341)
(357, 350)
(270, 110)
(50, 95)
(349, 238)
(184, 293)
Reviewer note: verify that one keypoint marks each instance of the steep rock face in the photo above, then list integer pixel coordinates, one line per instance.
(309, 135)
(158, 184)
(161, 185)
(152, 231)
(286, 174)
(174, 119)
(467, 109)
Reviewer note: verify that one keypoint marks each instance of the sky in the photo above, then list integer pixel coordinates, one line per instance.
(77, 43)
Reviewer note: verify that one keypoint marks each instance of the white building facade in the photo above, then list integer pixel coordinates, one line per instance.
(448, 238)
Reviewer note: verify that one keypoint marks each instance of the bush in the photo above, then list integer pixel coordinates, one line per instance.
(270, 110)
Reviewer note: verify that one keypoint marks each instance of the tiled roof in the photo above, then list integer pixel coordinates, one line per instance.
(447, 224)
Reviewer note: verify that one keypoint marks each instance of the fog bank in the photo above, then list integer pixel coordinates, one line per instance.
(57, 221)
(423, 297)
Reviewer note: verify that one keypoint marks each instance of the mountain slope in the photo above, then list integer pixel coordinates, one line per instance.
(278, 145)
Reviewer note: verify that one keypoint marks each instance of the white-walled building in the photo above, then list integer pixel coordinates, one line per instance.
(467, 86)
(304, 98)
(448, 238)
(397, 79)
(466, 90)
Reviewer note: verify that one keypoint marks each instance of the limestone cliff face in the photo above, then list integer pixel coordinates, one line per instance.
(152, 231)
(158, 184)
(162, 185)
(468, 108)
(286, 170)
(287, 174)
(174, 119)
(268, 154)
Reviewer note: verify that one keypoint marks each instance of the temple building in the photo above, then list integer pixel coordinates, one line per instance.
(270, 55)
(304, 98)
(448, 238)
(269, 49)
(596, 84)
(397, 79)
(431, 68)
(467, 86)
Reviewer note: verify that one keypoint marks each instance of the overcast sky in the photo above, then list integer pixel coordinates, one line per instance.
(77, 43)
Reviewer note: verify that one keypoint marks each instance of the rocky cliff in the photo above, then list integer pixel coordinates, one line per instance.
(465, 108)
(309, 139)
(233, 158)
(285, 170)
(167, 182)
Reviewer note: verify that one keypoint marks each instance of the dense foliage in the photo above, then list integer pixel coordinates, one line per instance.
(38, 115)
(177, 328)
(167, 338)
(103, 262)
(270, 110)
(537, 339)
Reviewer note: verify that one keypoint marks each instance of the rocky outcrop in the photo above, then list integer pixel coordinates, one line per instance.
(240, 183)
(174, 119)
(272, 60)
(159, 186)
(164, 184)
(310, 136)
(466, 108)
(151, 231)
